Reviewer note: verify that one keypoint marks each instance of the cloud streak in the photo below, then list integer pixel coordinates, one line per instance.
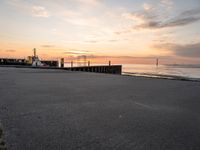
(10, 50)
(27, 7)
(152, 18)
(76, 52)
(185, 18)
(188, 50)
(89, 2)
(48, 46)
(168, 3)
(39, 11)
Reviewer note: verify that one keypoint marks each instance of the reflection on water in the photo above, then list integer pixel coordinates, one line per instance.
(170, 71)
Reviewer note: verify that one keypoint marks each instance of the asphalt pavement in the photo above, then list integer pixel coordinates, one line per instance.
(63, 110)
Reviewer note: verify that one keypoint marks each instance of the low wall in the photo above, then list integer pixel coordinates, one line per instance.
(9, 61)
(50, 63)
(114, 69)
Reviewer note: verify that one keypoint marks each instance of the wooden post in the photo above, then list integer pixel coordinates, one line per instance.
(71, 64)
(109, 63)
(88, 63)
(62, 61)
(34, 51)
(157, 61)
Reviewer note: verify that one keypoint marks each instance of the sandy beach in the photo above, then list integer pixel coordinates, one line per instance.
(62, 110)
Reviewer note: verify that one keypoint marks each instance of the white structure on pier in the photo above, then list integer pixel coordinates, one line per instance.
(36, 60)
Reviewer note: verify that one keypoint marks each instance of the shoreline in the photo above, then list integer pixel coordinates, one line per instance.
(131, 74)
(161, 76)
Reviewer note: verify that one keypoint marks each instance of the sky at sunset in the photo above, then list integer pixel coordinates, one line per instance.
(124, 31)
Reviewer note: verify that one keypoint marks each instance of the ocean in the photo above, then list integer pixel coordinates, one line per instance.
(191, 72)
(176, 71)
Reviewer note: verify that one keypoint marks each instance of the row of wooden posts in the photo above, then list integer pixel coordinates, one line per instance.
(62, 63)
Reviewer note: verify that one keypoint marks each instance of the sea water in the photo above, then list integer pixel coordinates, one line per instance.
(161, 71)
(166, 71)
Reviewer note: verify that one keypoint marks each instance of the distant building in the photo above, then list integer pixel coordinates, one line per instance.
(30, 61)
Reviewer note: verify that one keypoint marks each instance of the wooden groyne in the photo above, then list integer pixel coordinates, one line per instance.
(113, 69)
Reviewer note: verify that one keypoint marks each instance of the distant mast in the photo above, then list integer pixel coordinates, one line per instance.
(157, 61)
(34, 50)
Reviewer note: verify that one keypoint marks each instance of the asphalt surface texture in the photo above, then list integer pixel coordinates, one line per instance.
(61, 110)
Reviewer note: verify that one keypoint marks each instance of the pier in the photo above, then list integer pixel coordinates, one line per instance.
(113, 69)
(22, 63)
(35, 62)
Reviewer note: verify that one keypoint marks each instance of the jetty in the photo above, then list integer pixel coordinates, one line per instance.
(35, 62)
(113, 69)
